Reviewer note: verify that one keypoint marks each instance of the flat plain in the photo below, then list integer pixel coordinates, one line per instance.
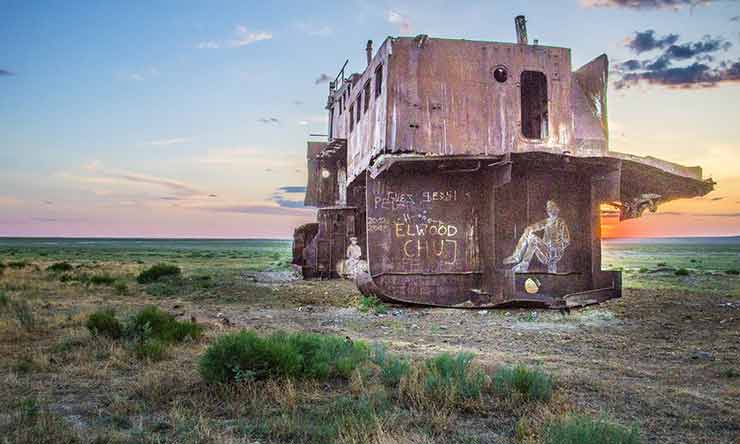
(663, 359)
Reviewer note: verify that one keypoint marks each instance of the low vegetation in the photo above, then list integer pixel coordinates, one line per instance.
(373, 305)
(149, 332)
(246, 356)
(586, 430)
(523, 382)
(72, 372)
(104, 323)
(29, 423)
(682, 272)
(157, 272)
(60, 267)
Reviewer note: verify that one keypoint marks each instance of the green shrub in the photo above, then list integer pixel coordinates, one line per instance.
(643, 270)
(586, 430)
(392, 367)
(245, 355)
(18, 264)
(153, 323)
(157, 272)
(662, 264)
(104, 323)
(682, 272)
(4, 300)
(121, 288)
(452, 376)
(530, 383)
(102, 279)
(371, 303)
(152, 349)
(60, 267)
(733, 272)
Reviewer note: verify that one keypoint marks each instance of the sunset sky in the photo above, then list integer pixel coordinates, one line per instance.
(190, 118)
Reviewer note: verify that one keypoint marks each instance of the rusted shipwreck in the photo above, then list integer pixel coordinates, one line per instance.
(465, 173)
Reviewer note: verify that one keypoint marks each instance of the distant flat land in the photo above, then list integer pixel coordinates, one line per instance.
(664, 357)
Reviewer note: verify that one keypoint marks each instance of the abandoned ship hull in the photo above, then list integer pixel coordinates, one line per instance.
(439, 230)
(461, 173)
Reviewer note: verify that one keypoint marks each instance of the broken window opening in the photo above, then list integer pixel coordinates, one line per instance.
(367, 96)
(534, 105)
(359, 107)
(378, 80)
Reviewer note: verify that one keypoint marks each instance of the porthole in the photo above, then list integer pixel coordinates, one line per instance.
(500, 74)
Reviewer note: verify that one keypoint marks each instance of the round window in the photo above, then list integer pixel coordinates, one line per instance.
(500, 74)
(325, 173)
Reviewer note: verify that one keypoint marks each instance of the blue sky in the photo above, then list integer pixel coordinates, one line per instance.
(185, 118)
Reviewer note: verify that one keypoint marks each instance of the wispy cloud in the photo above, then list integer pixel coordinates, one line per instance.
(289, 196)
(256, 208)
(96, 174)
(174, 185)
(315, 30)
(401, 21)
(323, 78)
(5, 73)
(242, 37)
(175, 141)
(269, 120)
(8, 200)
(646, 4)
(646, 41)
(701, 70)
(292, 189)
(144, 75)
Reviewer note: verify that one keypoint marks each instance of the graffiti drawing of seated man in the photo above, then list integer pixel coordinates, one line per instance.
(353, 263)
(548, 249)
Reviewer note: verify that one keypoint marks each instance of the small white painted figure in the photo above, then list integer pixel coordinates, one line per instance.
(354, 253)
(549, 249)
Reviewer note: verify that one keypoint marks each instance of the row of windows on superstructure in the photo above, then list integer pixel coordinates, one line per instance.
(362, 104)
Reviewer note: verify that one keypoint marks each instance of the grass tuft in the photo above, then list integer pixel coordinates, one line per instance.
(452, 376)
(102, 279)
(151, 349)
(372, 304)
(18, 264)
(60, 267)
(29, 423)
(682, 272)
(530, 383)
(153, 323)
(104, 323)
(245, 356)
(392, 367)
(157, 272)
(586, 430)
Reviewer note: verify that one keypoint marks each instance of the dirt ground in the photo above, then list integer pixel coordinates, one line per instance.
(667, 360)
